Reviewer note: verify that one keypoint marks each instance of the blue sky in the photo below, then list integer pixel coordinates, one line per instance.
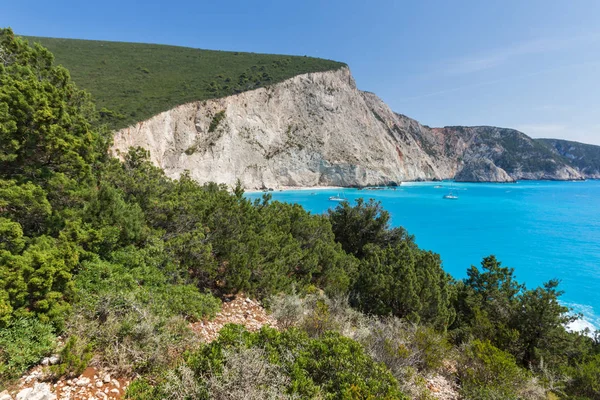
(531, 65)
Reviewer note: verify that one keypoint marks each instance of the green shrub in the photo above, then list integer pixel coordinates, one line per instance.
(401, 345)
(341, 369)
(39, 281)
(331, 366)
(214, 124)
(129, 338)
(585, 379)
(74, 358)
(488, 373)
(22, 344)
(142, 389)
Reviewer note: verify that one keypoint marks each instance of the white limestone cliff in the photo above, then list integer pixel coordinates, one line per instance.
(315, 129)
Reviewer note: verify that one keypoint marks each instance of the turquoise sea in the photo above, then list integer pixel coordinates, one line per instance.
(542, 229)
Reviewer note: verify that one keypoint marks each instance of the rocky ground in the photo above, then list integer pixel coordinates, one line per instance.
(95, 384)
(240, 310)
(442, 388)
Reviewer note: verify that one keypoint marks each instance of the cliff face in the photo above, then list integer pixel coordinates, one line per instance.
(585, 157)
(318, 129)
(314, 129)
(491, 154)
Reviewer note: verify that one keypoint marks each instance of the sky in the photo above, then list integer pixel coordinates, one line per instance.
(530, 65)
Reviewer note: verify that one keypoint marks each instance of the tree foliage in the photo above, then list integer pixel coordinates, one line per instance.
(138, 256)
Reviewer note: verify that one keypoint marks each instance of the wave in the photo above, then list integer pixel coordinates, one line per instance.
(589, 320)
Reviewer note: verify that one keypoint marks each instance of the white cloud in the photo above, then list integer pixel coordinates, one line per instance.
(499, 56)
(500, 80)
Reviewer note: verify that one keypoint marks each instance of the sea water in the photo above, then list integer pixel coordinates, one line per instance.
(544, 230)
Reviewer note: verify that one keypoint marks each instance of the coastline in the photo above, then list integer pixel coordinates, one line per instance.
(413, 183)
(286, 188)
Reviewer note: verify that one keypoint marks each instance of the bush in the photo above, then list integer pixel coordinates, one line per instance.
(401, 345)
(129, 338)
(214, 124)
(317, 313)
(288, 310)
(409, 351)
(74, 358)
(22, 344)
(332, 366)
(248, 375)
(488, 373)
(585, 379)
(180, 384)
(341, 369)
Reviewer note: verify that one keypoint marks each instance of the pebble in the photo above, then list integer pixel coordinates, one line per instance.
(83, 381)
(5, 396)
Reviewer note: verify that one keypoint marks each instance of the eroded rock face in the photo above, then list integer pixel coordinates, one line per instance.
(312, 130)
(585, 157)
(318, 129)
(482, 171)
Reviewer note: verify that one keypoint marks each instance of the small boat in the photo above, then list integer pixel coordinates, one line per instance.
(438, 187)
(450, 196)
(336, 198)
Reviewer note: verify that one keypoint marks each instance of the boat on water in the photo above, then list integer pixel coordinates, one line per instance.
(450, 196)
(336, 198)
(438, 187)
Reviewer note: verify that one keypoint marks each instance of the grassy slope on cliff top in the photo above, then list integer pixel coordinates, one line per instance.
(134, 81)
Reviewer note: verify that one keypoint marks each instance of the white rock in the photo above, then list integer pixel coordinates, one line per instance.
(314, 129)
(83, 381)
(40, 391)
(5, 396)
(99, 384)
(115, 383)
(24, 394)
(106, 378)
(116, 391)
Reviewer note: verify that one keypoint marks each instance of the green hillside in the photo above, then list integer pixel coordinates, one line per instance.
(134, 81)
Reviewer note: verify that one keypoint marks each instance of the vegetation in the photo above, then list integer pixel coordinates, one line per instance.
(585, 157)
(290, 365)
(132, 81)
(522, 153)
(118, 259)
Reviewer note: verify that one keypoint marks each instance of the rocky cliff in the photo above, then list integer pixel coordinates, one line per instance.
(318, 129)
(584, 157)
(315, 129)
(491, 154)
